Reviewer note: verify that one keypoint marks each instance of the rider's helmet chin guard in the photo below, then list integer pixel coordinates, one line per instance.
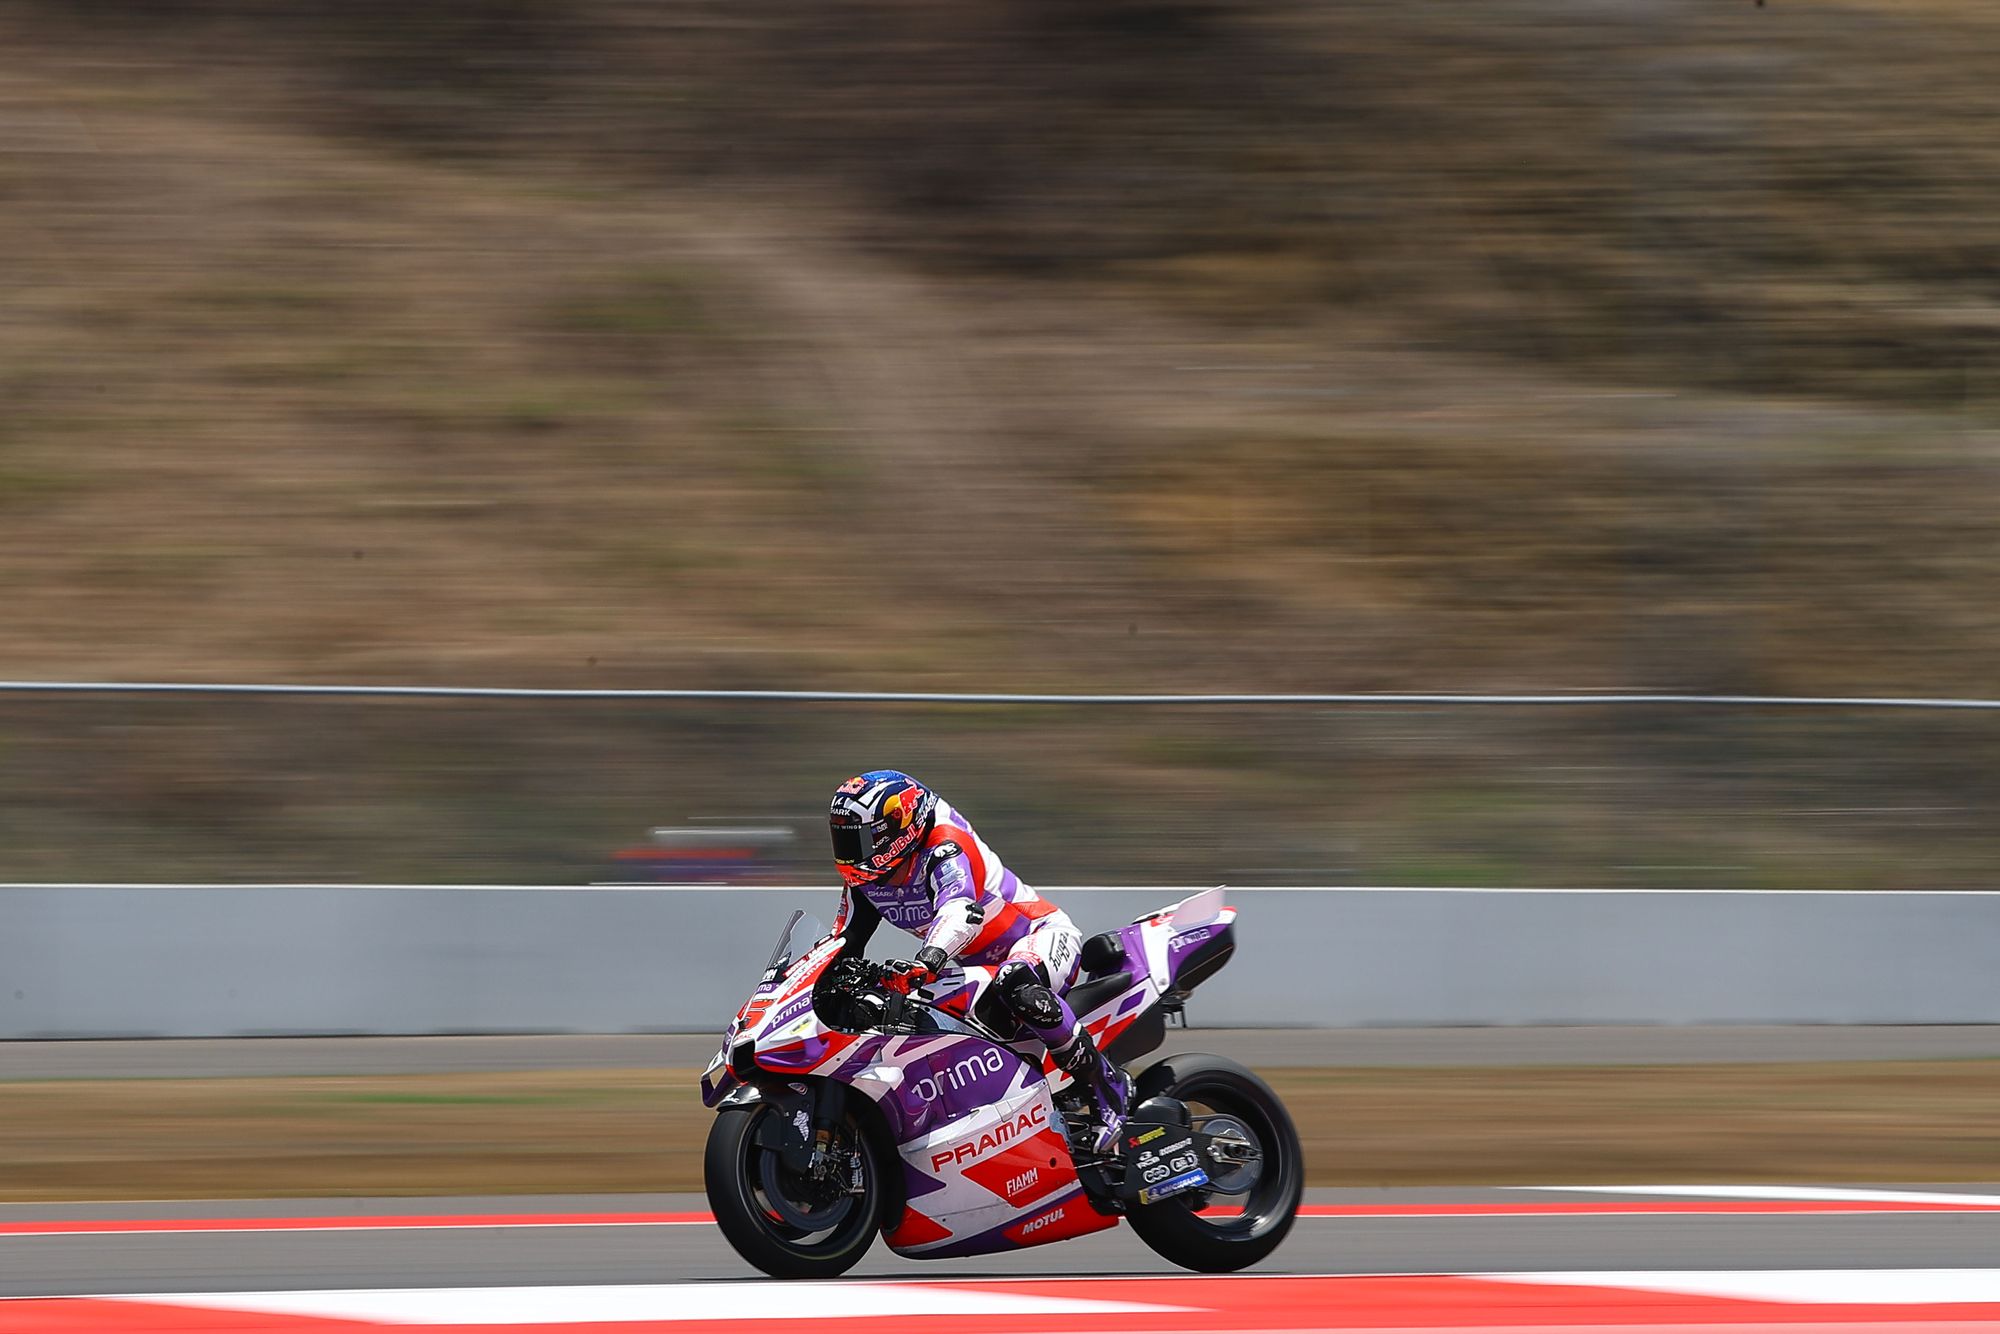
(879, 820)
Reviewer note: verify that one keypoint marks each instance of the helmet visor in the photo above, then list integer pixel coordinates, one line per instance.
(854, 842)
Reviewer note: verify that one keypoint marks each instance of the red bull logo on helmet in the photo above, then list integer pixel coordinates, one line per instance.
(896, 849)
(903, 806)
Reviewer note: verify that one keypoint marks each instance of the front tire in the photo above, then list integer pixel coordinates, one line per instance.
(1223, 1093)
(785, 1224)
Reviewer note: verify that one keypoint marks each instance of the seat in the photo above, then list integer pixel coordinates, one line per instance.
(1102, 954)
(1087, 996)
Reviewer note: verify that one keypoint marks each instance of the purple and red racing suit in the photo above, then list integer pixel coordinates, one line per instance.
(956, 896)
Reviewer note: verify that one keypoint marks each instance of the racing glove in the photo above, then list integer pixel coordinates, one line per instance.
(903, 978)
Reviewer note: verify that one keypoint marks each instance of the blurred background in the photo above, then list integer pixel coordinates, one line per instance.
(999, 346)
(1026, 345)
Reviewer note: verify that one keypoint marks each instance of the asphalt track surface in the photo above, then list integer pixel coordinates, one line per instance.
(662, 1250)
(1415, 1231)
(222, 1057)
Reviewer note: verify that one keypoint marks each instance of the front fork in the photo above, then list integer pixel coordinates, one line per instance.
(828, 1128)
(805, 1127)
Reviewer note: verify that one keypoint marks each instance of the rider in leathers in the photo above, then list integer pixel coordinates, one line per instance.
(907, 856)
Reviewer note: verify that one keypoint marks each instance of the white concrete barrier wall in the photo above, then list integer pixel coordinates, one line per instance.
(103, 961)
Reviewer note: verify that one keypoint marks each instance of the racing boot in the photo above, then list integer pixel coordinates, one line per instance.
(1110, 1088)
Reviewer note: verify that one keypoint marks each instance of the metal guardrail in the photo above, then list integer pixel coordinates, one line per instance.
(1388, 698)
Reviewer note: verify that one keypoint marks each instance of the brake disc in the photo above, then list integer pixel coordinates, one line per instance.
(802, 1202)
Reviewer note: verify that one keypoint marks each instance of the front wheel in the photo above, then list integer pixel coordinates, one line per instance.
(1249, 1206)
(792, 1224)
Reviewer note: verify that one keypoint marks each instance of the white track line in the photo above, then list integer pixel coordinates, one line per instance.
(676, 1302)
(608, 1303)
(1856, 1287)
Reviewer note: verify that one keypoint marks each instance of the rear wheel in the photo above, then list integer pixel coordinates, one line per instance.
(1249, 1205)
(792, 1224)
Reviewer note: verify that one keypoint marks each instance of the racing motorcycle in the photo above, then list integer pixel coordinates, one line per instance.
(845, 1108)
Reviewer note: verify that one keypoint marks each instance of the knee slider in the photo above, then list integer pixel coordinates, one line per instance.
(1024, 992)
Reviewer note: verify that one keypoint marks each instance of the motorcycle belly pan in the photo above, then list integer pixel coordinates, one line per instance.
(979, 1182)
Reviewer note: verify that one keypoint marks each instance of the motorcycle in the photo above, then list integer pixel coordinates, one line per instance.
(845, 1108)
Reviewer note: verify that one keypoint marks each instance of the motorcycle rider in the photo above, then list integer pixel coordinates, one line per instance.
(907, 856)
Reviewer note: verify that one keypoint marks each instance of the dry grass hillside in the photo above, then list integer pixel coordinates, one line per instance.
(1146, 343)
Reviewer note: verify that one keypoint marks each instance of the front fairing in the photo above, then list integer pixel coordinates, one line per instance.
(717, 1082)
(777, 1029)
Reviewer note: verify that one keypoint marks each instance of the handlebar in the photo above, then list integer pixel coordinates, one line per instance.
(853, 993)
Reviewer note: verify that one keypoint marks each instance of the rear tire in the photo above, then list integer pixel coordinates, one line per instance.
(784, 1236)
(1220, 1244)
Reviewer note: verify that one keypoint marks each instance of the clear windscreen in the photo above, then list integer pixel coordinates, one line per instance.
(800, 933)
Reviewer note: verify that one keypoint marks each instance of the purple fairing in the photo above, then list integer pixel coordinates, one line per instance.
(799, 1056)
(789, 1011)
(1133, 938)
(918, 1183)
(1180, 945)
(1184, 943)
(713, 1091)
(1132, 1000)
(946, 1077)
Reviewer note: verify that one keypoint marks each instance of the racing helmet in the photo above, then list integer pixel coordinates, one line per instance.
(879, 820)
